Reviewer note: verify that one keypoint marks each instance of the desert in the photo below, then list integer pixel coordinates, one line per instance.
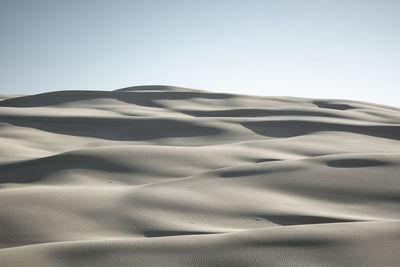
(168, 176)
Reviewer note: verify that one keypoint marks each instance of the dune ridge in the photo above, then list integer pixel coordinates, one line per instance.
(169, 176)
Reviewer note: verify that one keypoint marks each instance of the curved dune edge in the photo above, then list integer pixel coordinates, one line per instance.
(170, 176)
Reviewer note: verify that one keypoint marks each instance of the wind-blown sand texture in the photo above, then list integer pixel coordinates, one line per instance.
(168, 176)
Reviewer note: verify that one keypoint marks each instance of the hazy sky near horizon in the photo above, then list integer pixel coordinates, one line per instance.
(312, 48)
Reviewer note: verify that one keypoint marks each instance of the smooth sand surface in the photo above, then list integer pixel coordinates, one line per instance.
(168, 176)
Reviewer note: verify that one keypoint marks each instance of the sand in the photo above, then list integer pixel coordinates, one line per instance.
(168, 176)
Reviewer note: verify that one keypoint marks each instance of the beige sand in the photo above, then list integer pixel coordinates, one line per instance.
(167, 176)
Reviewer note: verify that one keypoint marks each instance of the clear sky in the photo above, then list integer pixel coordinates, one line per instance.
(313, 48)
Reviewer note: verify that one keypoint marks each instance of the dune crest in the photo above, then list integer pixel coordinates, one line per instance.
(169, 176)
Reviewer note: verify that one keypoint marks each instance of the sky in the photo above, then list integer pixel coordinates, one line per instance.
(342, 49)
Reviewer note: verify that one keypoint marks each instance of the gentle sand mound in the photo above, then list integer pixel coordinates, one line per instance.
(168, 176)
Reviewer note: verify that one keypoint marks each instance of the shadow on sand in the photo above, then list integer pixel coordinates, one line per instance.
(36, 170)
(291, 128)
(119, 129)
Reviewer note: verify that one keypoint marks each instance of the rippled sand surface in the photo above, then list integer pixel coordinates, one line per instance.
(168, 176)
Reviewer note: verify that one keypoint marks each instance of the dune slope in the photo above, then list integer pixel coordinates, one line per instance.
(169, 176)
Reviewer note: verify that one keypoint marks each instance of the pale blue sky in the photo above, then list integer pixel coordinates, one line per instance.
(313, 48)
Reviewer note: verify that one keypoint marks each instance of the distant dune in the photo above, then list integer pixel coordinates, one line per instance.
(169, 176)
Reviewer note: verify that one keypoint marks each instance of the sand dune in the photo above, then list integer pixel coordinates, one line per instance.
(168, 176)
